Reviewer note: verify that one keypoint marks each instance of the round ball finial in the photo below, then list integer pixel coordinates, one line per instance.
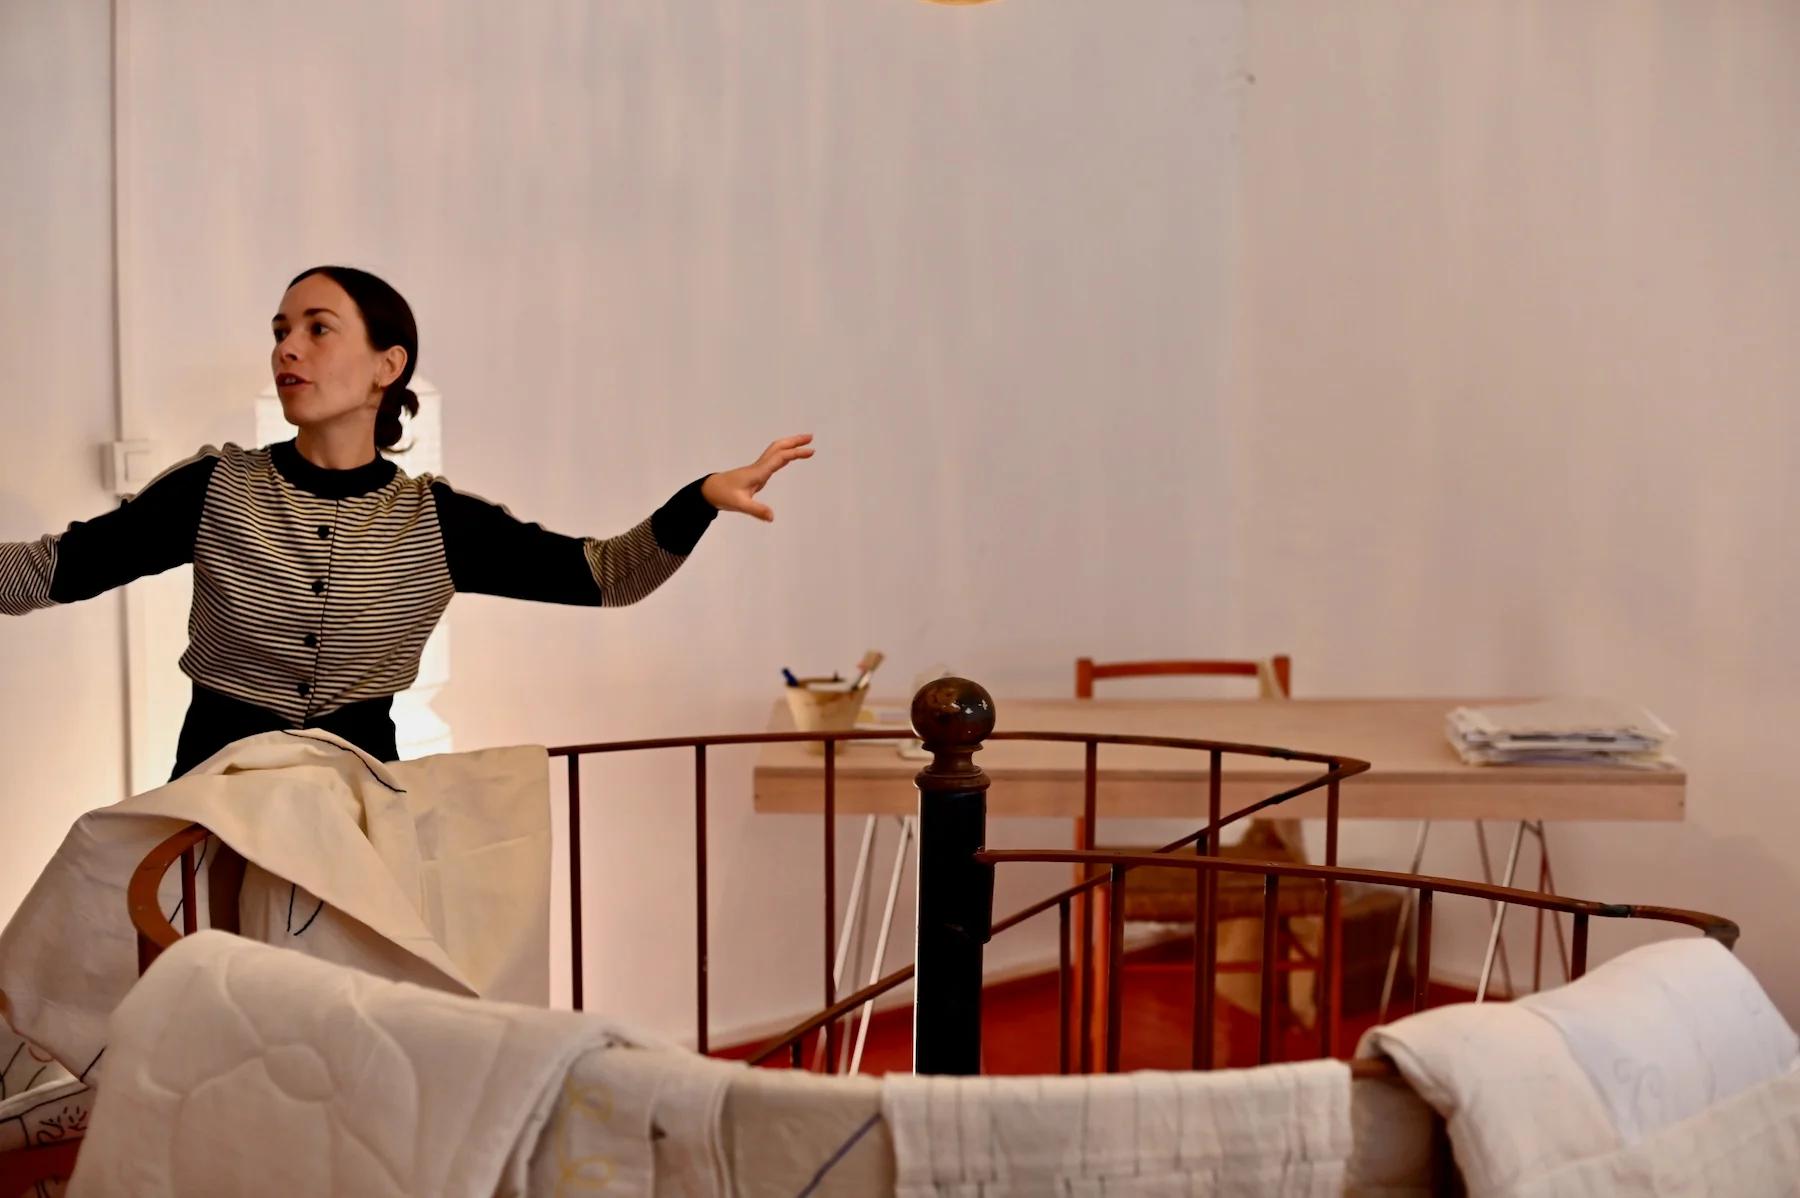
(952, 713)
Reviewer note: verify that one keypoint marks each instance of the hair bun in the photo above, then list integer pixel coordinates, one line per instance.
(395, 399)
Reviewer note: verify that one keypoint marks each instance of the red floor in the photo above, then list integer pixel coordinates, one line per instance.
(1019, 1026)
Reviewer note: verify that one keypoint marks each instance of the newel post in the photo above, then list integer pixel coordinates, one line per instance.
(952, 716)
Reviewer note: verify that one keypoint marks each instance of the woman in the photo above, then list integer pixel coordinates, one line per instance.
(319, 567)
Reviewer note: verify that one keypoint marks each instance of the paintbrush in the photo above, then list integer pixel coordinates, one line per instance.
(866, 667)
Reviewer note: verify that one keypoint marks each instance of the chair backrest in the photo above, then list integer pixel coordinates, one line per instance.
(1275, 673)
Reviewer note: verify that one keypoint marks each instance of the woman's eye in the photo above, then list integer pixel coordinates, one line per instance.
(321, 328)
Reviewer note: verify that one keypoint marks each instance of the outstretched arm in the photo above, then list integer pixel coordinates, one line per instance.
(151, 532)
(492, 552)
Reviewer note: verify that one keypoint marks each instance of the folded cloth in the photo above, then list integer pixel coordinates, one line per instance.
(237, 1068)
(433, 871)
(1276, 1130)
(672, 1100)
(48, 1113)
(1664, 1071)
(788, 1132)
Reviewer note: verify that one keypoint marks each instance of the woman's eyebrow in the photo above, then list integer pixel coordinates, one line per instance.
(278, 317)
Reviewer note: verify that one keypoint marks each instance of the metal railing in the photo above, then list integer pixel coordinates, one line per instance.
(955, 718)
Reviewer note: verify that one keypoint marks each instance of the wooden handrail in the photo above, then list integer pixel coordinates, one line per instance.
(1715, 927)
(154, 931)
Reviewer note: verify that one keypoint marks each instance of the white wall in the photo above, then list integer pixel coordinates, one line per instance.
(980, 254)
(61, 719)
(1076, 390)
(1514, 406)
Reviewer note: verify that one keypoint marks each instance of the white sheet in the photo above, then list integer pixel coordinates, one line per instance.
(1665, 1071)
(1274, 1131)
(434, 871)
(237, 1068)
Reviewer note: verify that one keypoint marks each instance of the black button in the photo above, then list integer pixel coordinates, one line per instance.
(310, 640)
(304, 690)
(324, 532)
(319, 586)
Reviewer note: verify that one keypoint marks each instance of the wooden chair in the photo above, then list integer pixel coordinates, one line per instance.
(1275, 681)
(1167, 896)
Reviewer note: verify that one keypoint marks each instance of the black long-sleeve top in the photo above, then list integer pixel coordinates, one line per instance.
(315, 589)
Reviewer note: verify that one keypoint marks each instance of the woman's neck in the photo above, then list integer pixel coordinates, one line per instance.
(337, 447)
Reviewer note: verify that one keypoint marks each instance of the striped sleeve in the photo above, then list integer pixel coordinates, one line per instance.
(492, 552)
(151, 532)
(25, 573)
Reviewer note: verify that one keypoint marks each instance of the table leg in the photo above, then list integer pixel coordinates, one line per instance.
(1487, 964)
(855, 914)
(1487, 875)
(908, 828)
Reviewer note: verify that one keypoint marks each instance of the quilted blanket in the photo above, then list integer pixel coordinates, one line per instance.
(434, 871)
(237, 1068)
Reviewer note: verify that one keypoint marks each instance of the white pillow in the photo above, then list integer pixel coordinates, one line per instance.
(1668, 1030)
(1664, 1071)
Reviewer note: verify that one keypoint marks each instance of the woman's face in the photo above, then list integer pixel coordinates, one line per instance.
(325, 369)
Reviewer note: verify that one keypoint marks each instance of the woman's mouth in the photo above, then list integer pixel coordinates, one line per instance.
(287, 381)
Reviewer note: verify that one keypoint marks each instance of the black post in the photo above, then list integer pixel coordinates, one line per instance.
(956, 893)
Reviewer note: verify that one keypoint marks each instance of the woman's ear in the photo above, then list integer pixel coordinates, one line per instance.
(393, 361)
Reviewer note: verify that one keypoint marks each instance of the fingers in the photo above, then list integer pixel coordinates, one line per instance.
(752, 478)
(784, 457)
(787, 443)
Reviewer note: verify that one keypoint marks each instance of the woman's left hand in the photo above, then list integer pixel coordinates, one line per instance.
(735, 490)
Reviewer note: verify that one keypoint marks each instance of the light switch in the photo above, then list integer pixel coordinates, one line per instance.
(126, 466)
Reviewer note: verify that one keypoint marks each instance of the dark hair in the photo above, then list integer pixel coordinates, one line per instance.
(389, 320)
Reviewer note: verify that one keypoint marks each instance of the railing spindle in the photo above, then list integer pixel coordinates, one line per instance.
(1063, 981)
(1206, 924)
(1115, 960)
(830, 1031)
(1271, 917)
(190, 915)
(701, 980)
(575, 881)
(1089, 975)
(1422, 953)
(1330, 975)
(1537, 933)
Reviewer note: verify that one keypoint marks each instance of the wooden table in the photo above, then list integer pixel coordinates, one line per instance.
(1414, 773)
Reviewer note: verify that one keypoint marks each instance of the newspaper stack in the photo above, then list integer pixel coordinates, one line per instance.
(1560, 732)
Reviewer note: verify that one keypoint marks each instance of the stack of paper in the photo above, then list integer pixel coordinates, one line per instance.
(1560, 732)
